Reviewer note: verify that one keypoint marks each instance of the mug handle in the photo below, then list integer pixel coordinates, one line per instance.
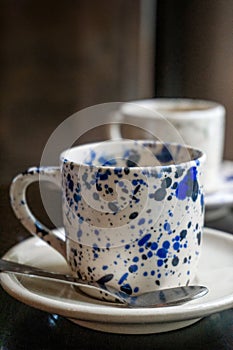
(114, 129)
(115, 132)
(22, 211)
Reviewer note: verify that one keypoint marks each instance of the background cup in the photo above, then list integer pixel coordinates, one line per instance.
(132, 211)
(197, 123)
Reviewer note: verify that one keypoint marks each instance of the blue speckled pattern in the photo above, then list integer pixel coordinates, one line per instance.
(133, 213)
(132, 210)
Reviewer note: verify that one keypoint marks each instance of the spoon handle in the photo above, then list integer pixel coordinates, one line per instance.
(32, 271)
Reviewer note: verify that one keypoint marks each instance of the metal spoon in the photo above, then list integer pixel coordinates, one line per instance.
(159, 298)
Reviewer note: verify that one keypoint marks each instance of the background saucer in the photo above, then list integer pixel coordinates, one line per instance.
(224, 191)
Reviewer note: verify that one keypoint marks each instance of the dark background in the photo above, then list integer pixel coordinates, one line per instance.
(58, 57)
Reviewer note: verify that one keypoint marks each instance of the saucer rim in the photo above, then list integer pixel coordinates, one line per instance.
(92, 310)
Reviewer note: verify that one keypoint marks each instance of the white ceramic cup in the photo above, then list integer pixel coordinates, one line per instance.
(132, 212)
(198, 123)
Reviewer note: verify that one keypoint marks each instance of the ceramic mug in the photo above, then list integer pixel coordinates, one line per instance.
(198, 123)
(132, 212)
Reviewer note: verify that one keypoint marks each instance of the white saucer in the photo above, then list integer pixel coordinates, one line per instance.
(224, 193)
(215, 271)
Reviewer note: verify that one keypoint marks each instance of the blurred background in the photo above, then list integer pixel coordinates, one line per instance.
(58, 57)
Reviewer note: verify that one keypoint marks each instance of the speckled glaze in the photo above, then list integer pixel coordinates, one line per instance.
(132, 211)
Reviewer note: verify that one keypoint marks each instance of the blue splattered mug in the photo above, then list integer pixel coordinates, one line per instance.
(132, 211)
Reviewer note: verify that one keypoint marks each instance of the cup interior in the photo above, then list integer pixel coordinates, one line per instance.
(129, 153)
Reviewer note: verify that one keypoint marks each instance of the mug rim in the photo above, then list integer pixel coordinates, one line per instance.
(174, 108)
(200, 155)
